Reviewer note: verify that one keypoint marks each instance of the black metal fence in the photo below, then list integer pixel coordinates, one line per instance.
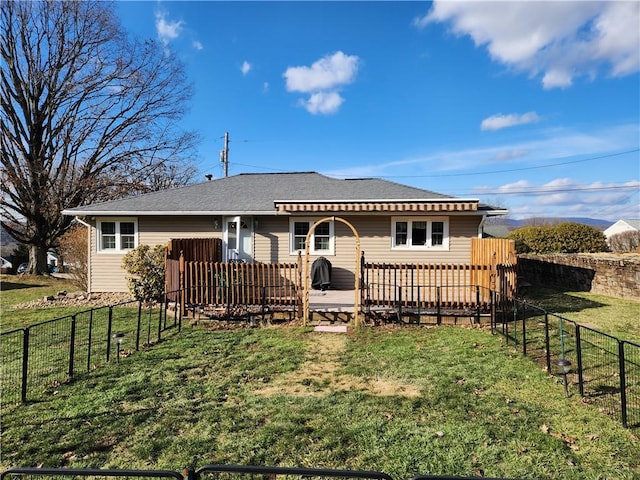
(604, 370)
(38, 358)
(416, 302)
(209, 472)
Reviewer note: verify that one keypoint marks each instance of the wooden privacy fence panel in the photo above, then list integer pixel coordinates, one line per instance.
(491, 252)
(172, 279)
(195, 249)
(213, 283)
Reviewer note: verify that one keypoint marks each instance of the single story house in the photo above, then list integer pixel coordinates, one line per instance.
(266, 217)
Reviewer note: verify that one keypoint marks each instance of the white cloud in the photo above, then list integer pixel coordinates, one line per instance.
(323, 102)
(265, 87)
(564, 197)
(329, 72)
(511, 154)
(245, 68)
(557, 40)
(322, 80)
(167, 30)
(500, 121)
(198, 45)
(550, 146)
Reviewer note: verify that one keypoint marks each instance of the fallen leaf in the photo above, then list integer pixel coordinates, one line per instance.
(544, 428)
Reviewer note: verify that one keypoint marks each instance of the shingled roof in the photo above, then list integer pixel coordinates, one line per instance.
(260, 193)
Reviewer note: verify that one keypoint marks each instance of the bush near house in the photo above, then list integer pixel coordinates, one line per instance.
(73, 250)
(567, 237)
(145, 266)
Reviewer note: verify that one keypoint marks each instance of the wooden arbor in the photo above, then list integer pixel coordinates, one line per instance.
(356, 287)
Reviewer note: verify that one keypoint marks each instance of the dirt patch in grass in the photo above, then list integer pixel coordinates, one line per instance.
(320, 374)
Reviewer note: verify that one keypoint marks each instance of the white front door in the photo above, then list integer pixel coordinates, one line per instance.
(238, 239)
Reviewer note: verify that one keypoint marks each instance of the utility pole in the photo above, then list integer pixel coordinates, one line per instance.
(224, 154)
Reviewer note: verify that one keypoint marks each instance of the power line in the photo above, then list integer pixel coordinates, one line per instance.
(513, 169)
(491, 172)
(555, 190)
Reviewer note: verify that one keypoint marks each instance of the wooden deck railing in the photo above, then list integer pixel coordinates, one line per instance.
(224, 284)
(429, 285)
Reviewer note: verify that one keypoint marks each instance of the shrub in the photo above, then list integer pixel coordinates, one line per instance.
(146, 270)
(567, 237)
(531, 239)
(625, 242)
(571, 237)
(73, 250)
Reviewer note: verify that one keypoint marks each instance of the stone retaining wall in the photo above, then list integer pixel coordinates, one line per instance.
(606, 274)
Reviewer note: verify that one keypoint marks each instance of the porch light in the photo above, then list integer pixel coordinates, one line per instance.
(564, 367)
(118, 337)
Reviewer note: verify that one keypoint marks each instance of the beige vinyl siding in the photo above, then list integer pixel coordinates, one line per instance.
(272, 244)
(105, 269)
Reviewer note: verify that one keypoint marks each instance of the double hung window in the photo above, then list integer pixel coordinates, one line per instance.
(117, 235)
(321, 240)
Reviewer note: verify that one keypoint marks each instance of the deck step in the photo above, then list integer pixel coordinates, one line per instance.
(330, 328)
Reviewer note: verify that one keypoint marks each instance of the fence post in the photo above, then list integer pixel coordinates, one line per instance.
(623, 383)
(524, 328)
(181, 283)
(149, 328)
(109, 325)
(159, 320)
(477, 304)
(139, 325)
(25, 364)
(438, 316)
(546, 340)
(514, 305)
(399, 304)
(89, 340)
(492, 297)
(72, 345)
(579, 356)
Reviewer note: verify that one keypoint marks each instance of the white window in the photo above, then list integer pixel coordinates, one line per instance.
(117, 235)
(322, 239)
(420, 233)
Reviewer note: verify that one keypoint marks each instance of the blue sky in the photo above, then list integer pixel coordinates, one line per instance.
(530, 106)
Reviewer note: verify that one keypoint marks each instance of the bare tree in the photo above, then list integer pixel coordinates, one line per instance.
(87, 114)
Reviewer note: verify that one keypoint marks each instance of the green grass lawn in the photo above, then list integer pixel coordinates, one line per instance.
(406, 401)
(17, 289)
(617, 317)
(410, 400)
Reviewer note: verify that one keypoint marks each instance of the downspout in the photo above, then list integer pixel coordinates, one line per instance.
(481, 226)
(89, 279)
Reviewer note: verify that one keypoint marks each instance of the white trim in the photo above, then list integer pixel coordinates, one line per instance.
(312, 250)
(118, 236)
(429, 238)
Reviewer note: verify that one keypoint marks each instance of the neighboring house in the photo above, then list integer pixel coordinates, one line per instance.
(266, 217)
(621, 226)
(5, 265)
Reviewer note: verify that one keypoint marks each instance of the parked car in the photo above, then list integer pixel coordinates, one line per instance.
(22, 268)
